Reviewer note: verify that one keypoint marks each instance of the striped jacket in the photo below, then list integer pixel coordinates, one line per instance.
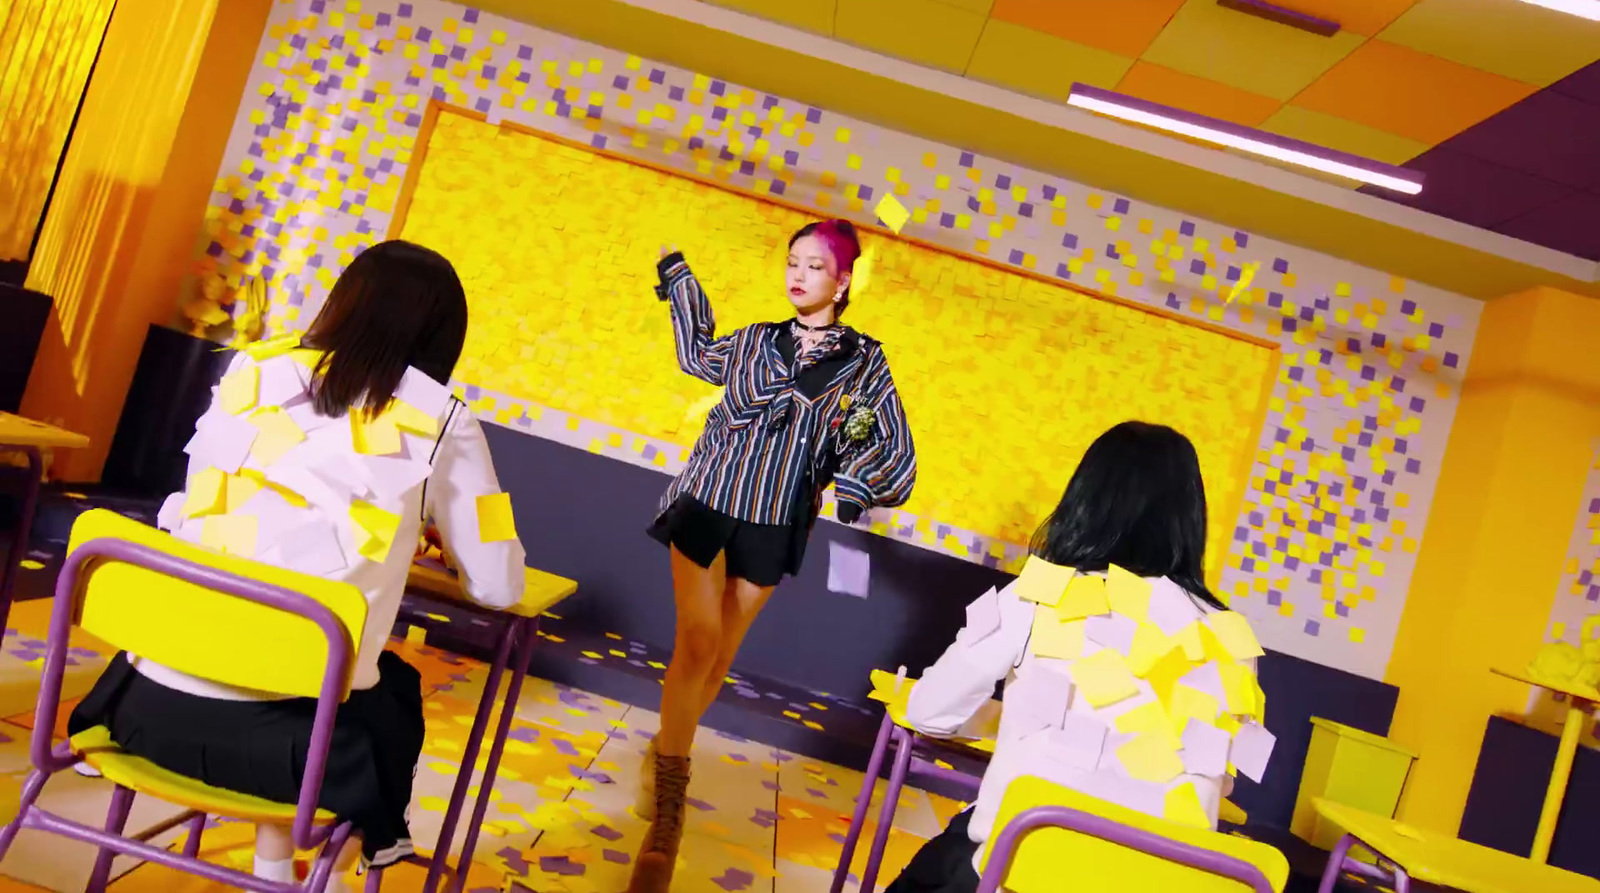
(767, 451)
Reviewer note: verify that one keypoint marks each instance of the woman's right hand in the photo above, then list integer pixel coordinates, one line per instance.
(667, 250)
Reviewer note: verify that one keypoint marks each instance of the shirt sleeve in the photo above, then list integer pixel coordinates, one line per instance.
(491, 573)
(885, 472)
(700, 352)
(985, 651)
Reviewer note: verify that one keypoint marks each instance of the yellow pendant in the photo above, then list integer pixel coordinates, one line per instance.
(844, 402)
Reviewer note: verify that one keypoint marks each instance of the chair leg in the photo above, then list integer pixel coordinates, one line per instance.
(374, 880)
(116, 820)
(191, 844)
(30, 793)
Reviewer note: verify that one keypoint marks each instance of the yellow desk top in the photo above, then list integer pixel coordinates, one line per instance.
(1570, 689)
(1449, 862)
(543, 591)
(17, 431)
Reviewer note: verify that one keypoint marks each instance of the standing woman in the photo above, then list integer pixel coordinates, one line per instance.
(807, 402)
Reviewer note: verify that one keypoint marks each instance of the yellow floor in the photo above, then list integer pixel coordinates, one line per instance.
(760, 819)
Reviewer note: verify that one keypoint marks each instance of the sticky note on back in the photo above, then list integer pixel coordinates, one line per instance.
(495, 521)
(1055, 638)
(1043, 582)
(1183, 807)
(1252, 747)
(1128, 593)
(232, 534)
(1085, 597)
(238, 390)
(206, 493)
(1150, 758)
(279, 434)
(1149, 719)
(1104, 679)
(1233, 631)
(893, 214)
(1239, 684)
(375, 529)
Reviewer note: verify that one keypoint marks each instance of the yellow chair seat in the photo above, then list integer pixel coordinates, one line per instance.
(141, 775)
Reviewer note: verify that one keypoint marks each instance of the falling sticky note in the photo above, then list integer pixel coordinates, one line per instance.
(1085, 596)
(375, 529)
(1205, 749)
(1183, 807)
(1150, 758)
(1149, 646)
(1103, 678)
(279, 434)
(232, 534)
(1233, 631)
(374, 436)
(1149, 719)
(1114, 631)
(849, 570)
(495, 521)
(1239, 684)
(1247, 274)
(1055, 638)
(1252, 747)
(239, 389)
(1043, 582)
(983, 618)
(1171, 609)
(893, 214)
(1079, 742)
(1128, 593)
(206, 493)
(272, 347)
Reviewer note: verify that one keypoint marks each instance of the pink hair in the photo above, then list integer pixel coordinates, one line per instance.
(840, 238)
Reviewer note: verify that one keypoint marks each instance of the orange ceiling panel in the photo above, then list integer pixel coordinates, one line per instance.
(1364, 17)
(1124, 27)
(1412, 94)
(1195, 94)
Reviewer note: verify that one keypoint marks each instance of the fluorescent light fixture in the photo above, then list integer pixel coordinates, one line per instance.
(1583, 9)
(1245, 139)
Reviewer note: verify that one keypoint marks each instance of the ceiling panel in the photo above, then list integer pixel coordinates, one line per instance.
(1409, 93)
(1507, 37)
(981, 7)
(1583, 84)
(1042, 65)
(1571, 224)
(1363, 17)
(816, 16)
(1245, 52)
(1321, 129)
(1196, 94)
(1125, 27)
(929, 32)
(1548, 135)
(1474, 191)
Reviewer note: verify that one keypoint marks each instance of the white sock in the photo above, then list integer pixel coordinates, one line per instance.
(279, 870)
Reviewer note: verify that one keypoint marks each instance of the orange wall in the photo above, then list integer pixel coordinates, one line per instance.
(1512, 478)
(120, 236)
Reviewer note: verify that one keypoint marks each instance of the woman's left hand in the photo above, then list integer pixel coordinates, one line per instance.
(849, 513)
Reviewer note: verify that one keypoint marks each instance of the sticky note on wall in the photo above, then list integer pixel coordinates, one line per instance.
(495, 521)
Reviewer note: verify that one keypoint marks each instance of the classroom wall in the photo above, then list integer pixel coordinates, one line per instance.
(1322, 544)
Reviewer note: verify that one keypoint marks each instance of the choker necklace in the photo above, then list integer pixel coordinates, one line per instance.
(808, 328)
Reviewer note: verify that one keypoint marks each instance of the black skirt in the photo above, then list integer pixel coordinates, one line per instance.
(944, 864)
(763, 554)
(259, 747)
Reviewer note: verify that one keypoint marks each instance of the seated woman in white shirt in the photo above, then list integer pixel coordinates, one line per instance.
(382, 349)
(1136, 502)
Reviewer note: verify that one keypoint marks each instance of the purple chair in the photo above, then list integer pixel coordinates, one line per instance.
(223, 618)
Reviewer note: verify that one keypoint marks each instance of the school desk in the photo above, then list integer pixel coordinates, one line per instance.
(26, 436)
(429, 590)
(978, 738)
(1581, 700)
(1406, 854)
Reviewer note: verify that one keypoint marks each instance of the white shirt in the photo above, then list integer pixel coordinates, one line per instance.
(324, 468)
(952, 692)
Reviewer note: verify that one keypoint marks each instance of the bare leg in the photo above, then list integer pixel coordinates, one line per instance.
(274, 854)
(742, 600)
(697, 645)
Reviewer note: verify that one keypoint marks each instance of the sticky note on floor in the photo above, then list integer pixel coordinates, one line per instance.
(849, 570)
(495, 522)
(1103, 678)
(1183, 807)
(1252, 748)
(1150, 758)
(1233, 631)
(1128, 593)
(893, 214)
(279, 434)
(1043, 582)
(1055, 638)
(1085, 597)
(238, 390)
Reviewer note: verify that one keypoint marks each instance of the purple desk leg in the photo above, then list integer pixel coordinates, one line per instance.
(891, 801)
(19, 545)
(863, 801)
(469, 759)
(527, 633)
(1386, 872)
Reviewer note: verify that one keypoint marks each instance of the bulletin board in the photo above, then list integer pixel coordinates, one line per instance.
(1006, 376)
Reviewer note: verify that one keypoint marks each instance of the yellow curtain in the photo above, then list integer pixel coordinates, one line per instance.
(47, 49)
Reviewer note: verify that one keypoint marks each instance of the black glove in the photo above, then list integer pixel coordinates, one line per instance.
(849, 512)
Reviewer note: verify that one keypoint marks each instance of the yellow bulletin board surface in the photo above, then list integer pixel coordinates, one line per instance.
(1006, 377)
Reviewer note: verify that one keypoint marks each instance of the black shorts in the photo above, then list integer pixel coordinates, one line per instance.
(944, 864)
(762, 554)
(259, 747)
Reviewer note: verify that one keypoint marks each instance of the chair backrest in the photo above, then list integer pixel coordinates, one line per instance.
(183, 616)
(1064, 839)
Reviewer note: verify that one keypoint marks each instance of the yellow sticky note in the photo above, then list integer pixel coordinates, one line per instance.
(233, 534)
(416, 635)
(409, 418)
(1240, 686)
(1247, 274)
(375, 529)
(1043, 582)
(1085, 597)
(1233, 631)
(495, 522)
(892, 213)
(1183, 807)
(272, 347)
(1149, 646)
(1149, 758)
(1191, 703)
(239, 389)
(206, 493)
(1054, 637)
(374, 436)
(240, 487)
(1103, 678)
(1166, 672)
(279, 434)
(1149, 719)
(1128, 593)
(1188, 639)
